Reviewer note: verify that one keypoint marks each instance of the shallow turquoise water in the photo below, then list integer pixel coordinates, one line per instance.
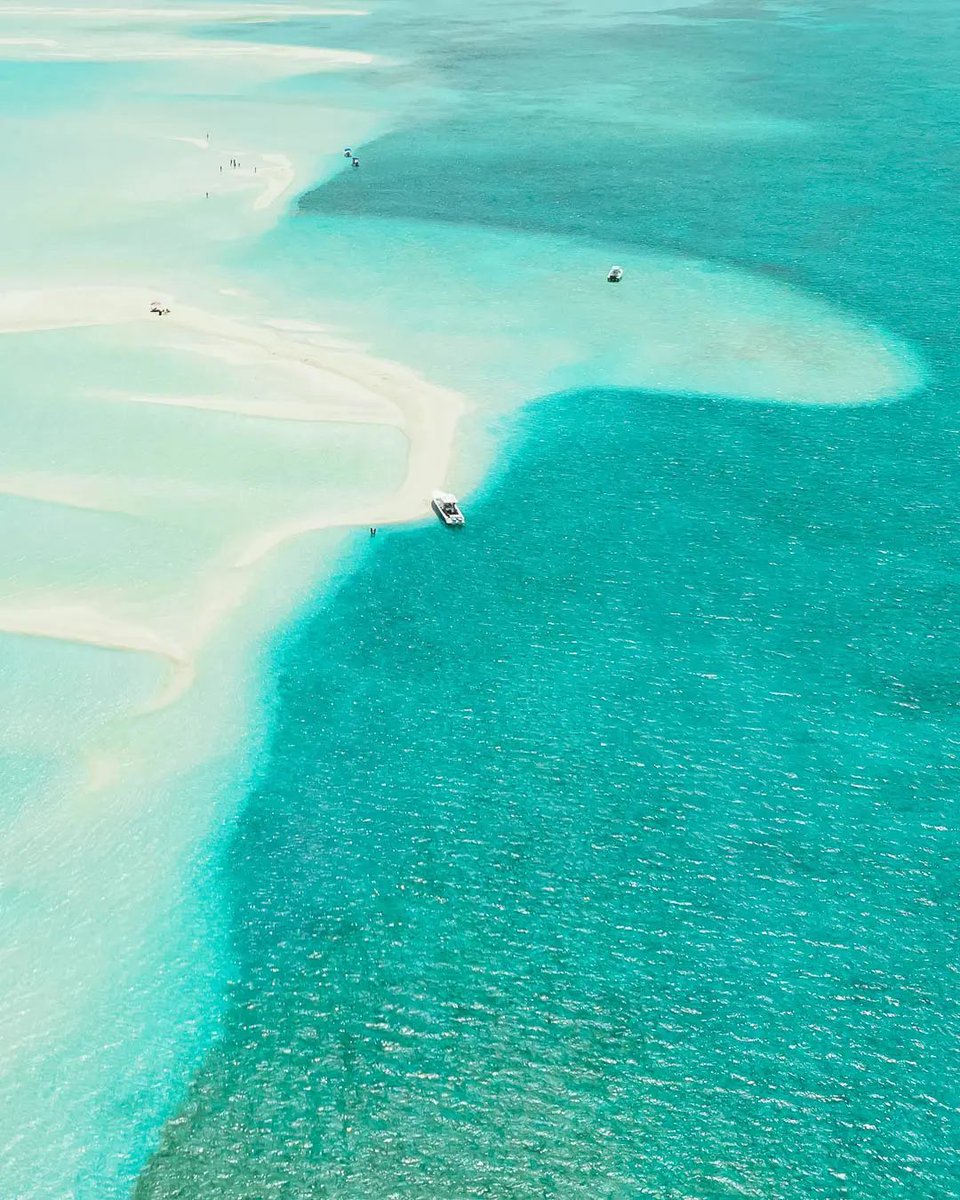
(717, 721)
(608, 849)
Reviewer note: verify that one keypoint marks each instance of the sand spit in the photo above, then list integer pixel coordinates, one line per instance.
(280, 175)
(44, 487)
(171, 47)
(61, 308)
(154, 34)
(306, 410)
(93, 627)
(275, 172)
(181, 14)
(333, 384)
(199, 143)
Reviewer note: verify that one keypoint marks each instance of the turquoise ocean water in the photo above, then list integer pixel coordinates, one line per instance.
(608, 848)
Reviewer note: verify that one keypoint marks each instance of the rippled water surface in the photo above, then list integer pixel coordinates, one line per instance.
(608, 848)
(605, 849)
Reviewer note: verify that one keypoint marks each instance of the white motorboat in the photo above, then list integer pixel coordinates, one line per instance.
(445, 506)
(615, 274)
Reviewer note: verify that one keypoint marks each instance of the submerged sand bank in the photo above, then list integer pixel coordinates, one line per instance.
(156, 34)
(320, 383)
(110, 983)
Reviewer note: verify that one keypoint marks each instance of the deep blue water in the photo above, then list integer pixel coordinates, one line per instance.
(608, 848)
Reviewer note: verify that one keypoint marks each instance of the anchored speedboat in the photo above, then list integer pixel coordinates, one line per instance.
(446, 507)
(615, 274)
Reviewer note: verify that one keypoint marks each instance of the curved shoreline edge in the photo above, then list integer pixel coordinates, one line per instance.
(335, 383)
(371, 391)
(100, 873)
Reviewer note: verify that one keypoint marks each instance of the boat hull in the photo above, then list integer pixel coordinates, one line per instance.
(453, 520)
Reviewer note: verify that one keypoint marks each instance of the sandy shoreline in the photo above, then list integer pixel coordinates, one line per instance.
(275, 173)
(321, 382)
(335, 385)
(158, 529)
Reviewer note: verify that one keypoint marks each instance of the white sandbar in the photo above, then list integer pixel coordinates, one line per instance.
(332, 384)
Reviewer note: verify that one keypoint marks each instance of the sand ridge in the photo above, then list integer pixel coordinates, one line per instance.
(365, 389)
(165, 33)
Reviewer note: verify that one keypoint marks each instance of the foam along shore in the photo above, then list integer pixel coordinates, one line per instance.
(330, 383)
